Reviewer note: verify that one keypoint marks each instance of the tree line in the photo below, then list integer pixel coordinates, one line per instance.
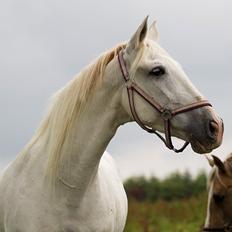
(175, 186)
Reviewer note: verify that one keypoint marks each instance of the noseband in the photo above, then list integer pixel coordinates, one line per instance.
(165, 113)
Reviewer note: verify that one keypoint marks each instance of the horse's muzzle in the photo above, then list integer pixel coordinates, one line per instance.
(210, 137)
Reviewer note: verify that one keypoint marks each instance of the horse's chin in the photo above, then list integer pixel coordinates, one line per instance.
(199, 147)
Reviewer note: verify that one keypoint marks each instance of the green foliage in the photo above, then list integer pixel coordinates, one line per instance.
(175, 204)
(175, 186)
(186, 215)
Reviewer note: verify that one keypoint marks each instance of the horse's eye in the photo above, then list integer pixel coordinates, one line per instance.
(218, 198)
(158, 71)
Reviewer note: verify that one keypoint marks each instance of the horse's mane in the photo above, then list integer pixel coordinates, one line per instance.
(211, 177)
(67, 105)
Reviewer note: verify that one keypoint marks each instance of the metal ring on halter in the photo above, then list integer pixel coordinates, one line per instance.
(166, 114)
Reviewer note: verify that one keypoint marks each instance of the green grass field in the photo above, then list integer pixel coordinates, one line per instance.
(185, 215)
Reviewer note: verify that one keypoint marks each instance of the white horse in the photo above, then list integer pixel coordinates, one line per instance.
(61, 181)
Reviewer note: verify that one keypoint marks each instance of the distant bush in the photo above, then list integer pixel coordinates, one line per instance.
(183, 215)
(175, 186)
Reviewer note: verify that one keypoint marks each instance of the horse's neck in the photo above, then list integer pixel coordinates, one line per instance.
(90, 136)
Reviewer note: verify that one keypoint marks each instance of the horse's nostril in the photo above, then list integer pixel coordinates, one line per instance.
(213, 129)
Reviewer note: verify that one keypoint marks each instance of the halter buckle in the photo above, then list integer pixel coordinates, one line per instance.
(166, 114)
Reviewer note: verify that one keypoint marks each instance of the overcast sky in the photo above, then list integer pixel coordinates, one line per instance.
(43, 44)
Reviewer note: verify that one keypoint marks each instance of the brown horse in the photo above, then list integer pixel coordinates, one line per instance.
(219, 211)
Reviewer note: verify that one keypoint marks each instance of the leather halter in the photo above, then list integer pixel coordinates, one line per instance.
(165, 113)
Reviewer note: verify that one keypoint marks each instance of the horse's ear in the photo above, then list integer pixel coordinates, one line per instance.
(219, 164)
(137, 38)
(153, 32)
(210, 160)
